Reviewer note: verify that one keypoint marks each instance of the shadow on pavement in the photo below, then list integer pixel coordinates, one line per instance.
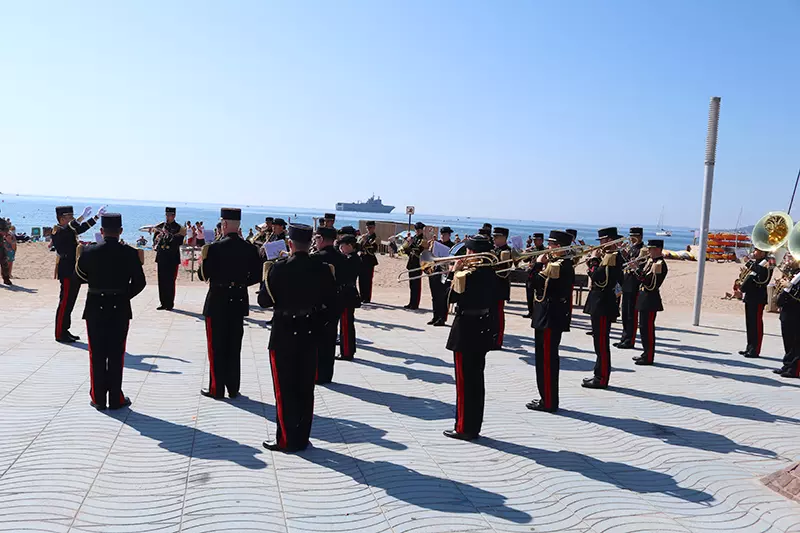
(422, 408)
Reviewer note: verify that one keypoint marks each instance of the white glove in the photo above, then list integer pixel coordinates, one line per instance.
(86, 212)
(101, 211)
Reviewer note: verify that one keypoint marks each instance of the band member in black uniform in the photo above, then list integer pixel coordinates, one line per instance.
(230, 265)
(65, 241)
(554, 275)
(630, 292)
(471, 337)
(299, 288)
(368, 245)
(167, 242)
(334, 260)
(651, 276)
(4, 228)
(439, 284)
(264, 233)
(789, 303)
(115, 276)
(537, 245)
(329, 220)
(414, 246)
(278, 230)
(754, 288)
(605, 271)
(503, 252)
(350, 297)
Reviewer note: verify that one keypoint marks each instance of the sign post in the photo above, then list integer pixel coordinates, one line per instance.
(409, 212)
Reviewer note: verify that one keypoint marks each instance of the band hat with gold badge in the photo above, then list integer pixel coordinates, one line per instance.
(419, 225)
(63, 210)
(230, 213)
(279, 222)
(498, 231)
(170, 211)
(300, 233)
(347, 230)
(446, 229)
(561, 238)
(329, 216)
(636, 232)
(539, 236)
(329, 234)
(572, 232)
(655, 243)
(269, 220)
(111, 221)
(479, 243)
(607, 233)
(348, 239)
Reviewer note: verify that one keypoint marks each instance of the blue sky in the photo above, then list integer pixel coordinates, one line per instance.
(582, 111)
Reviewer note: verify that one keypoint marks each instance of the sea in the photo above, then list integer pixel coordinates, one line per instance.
(27, 212)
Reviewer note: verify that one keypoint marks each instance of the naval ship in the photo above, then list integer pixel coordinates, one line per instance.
(372, 205)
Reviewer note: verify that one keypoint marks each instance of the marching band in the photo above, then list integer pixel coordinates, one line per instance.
(315, 288)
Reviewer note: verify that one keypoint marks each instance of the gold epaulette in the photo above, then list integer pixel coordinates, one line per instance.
(657, 267)
(265, 271)
(552, 270)
(505, 255)
(459, 283)
(610, 259)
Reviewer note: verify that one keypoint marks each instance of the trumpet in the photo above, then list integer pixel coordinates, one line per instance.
(573, 251)
(631, 266)
(427, 262)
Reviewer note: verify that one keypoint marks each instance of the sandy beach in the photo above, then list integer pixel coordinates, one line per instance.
(35, 261)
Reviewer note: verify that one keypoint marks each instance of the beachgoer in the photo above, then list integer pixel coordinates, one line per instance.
(115, 276)
(189, 233)
(10, 244)
(4, 272)
(230, 265)
(199, 236)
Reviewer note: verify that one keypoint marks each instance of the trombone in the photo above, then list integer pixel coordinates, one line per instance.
(427, 261)
(575, 251)
(631, 266)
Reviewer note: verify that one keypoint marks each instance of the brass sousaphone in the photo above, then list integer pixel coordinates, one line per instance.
(770, 234)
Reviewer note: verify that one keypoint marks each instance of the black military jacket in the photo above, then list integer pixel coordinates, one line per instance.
(789, 302)
(414, 250)
(552, 300)
(605, 274)
(65, 241)
(347, 279)
(168, 245)
(651, 276)
(300, 288)
(472, 329)
(333, 257)
(755, 286)
(230, 265)
(503, 283)
(630, 281)
(369, 248)
(115, 275)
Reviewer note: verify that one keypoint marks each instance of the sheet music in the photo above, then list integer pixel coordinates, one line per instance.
(516, 242)
(440, 250)
(208, 235)
(98, 237)
(273, 249)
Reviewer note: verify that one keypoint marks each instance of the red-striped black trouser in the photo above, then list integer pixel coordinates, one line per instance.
(547, 366)
(469, 391)
(647, 332)
(754, 320)
(601, 328)
(293, 373)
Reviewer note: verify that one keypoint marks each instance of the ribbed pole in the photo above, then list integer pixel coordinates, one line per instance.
(705, 215)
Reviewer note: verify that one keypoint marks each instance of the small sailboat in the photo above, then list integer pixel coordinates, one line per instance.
(661, 231)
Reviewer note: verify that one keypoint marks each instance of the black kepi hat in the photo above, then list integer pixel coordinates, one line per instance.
(300, 233)
(501, 231)
(655, 243)
(419, 225)
(347, 230)
(279, 222)
(562, 238)
(446, 229)
(170, 210)
(479, 243)
(370, 223)
(486, 232)
(112, 221)
(230, 213)
(269, 219)
(572, 232)
(329, 234)
(607, 233)
(348, 239)
(62, 210)
(538, 235)
(636, 232)
(330, 216)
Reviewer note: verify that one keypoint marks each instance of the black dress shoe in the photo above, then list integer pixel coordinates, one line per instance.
(751, 356)
(98, 406)
(431, 321)
(271, 445)
(787, 374)
(642, 362)
(233, 395)
(538, 405)
(207, 394)
(637, 358)
(742, 352)
(624, 346)
(590, 378)
(160, 308)
(125, 403)
(66, 340)
(74, 337)
(267, 322)
(440, 322)
(527, 315)
(593, 383)
(779, 371)
(588, 332)
(459, 436)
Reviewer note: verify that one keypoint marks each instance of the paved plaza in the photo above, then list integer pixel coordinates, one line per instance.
(679, 446)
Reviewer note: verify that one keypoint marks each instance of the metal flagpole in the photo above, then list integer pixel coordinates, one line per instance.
(791, 202)
(705, 215)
